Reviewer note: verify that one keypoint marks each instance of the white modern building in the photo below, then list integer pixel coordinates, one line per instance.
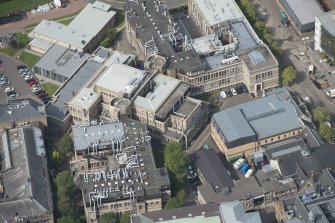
(325, 33)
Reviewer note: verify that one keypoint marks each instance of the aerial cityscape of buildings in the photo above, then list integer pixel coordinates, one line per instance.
(196, 111)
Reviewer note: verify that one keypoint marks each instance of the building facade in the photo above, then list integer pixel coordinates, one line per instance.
(325, 33)
(242, 129)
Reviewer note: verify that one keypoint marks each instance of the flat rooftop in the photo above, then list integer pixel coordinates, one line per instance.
(305, 10)
(131, 167)
(121, 78)
(61, 60)
(41, 44)
(217, 11)
(87, 136)
(21, 109)
(85, 98)
(259, 119)
(162, 89)
(26, 185)
(187, 108)
(327, 21)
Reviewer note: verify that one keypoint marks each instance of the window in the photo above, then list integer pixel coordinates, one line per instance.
(271, 139)
(266, 141)
(293, 133)
(278, 137)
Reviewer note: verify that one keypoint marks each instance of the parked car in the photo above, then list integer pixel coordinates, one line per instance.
(244, 88)
(27, 77)
(317, 84)
(32, 83)
(249, 173)
(13, 96)
(233, 91)
(9, 89)
(239, 163)
(42, 95)
(320, 76)
(21, 67)
(229, 93)
(34, 89)
(4, 83)
(40, 91)
(223, 94)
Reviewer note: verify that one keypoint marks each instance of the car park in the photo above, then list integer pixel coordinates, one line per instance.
(4, 83)
(21, 67)
(9, 89)
(32, 83)
(244, 88)
(233, 91)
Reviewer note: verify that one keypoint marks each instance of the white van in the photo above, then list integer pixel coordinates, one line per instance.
(310, 69)
(239, 163)
(249, 173)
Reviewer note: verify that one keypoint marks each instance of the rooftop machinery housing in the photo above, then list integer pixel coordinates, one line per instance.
(211, 49)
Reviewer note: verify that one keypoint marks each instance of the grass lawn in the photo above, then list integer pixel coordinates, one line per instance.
(17, 5)
(66, 21)
(9, 51)
(29, 59)
(50, 88)
(159, 158)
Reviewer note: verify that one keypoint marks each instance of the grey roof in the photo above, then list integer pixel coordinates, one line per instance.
(86, 136)
(233, 212)
(206, 210)
(327, 21)
(41, 44)
(58, 109)
(21, 109)
(305, 10)
(245, 38)
(81, 30)
(187, 60)
(164, 86)
(61, 60)
(260, 118)
(27, 190)
(319, 203)
(187, 108)
(154, 180)
(208, 163)
(218, 11)
(291, 159)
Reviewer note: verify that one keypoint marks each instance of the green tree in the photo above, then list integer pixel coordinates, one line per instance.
(327, 133)
(66, 190)
(125, 218)
(65, 145)
(173, 203)
(67, 219)
(175, 160)
(106, 42)
(289, 75)
(321, 115)
(56, 160)
(109, 218)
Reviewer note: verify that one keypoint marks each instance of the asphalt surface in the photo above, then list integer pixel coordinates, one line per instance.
(118, 4)
(8, 67)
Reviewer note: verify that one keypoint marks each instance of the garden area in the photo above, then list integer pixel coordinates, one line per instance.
(50, 88)
(29, 59)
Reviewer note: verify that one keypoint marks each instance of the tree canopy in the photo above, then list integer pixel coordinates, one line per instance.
(178, 201)
(68, 219)
(327, 132)
(109, 218)
(321, 115)
(289, 75)
(66, 190)
(175, 160)
(125, 218)
(65, 145)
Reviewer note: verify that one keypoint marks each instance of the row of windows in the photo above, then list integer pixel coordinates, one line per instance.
(264, 75)
(266, 141)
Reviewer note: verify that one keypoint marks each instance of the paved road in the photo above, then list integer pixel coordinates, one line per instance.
(9, 69)
(14, 27)
(118, 4)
